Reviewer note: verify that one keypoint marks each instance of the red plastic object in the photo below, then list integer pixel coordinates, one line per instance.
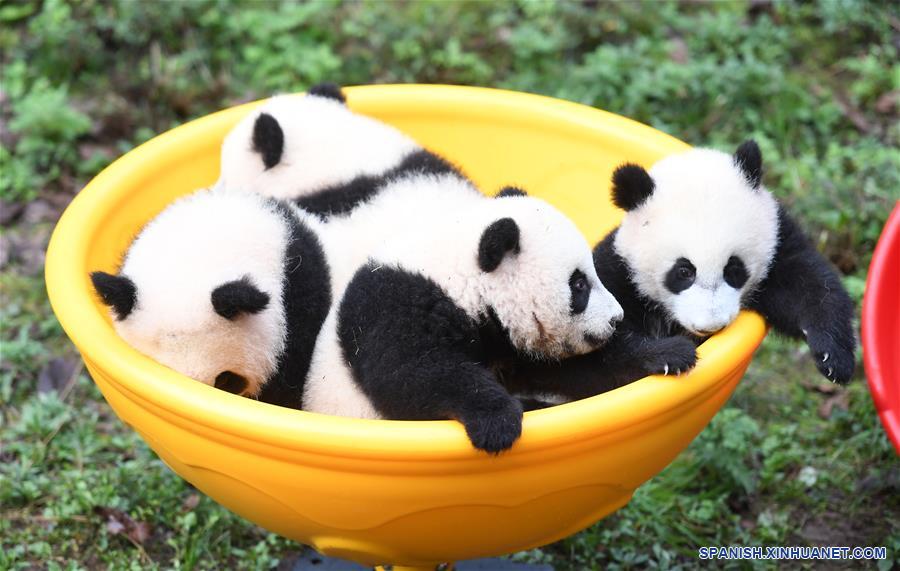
(881, 327)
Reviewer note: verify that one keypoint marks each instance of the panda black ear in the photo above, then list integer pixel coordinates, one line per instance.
(328, 91)
(268, 139)
(238, 297)
(118, 292)
(498, 239)
(748, 158)
(631, 186)
(510, 191)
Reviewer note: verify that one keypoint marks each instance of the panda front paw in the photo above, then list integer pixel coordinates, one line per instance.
(495, 430)
(835, 360)
(670, 356)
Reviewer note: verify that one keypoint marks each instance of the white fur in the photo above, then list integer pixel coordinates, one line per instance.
(432, 226)
(704, 309)
(330, 388)
(412, 204)
(324, 144)
(195, 245)
(703, 209)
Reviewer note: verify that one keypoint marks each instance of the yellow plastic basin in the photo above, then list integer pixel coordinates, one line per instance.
(411, 493)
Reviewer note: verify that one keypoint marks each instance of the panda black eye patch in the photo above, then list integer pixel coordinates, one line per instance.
(580, 289)
(231, 382)
(735, 272)
(680, 276)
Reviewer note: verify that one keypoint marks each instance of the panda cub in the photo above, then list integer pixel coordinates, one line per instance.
(312, 149)
(227, 288)
(423, 324)
(702, 238)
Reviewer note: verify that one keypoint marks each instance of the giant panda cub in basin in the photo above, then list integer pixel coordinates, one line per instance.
(229, 289)
(701, 239)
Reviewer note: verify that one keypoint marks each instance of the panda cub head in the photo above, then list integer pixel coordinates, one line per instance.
(539, 279)
(200, 289)
(699, 232)
(286, 147)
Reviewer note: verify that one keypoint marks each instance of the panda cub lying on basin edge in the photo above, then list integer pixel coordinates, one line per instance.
(701, 239)
(731, 246)
(425, 320)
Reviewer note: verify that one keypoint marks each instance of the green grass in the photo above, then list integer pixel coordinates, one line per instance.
(817, 84)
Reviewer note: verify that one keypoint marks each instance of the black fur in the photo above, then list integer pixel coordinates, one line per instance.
(680, 276)
(748, 158)
(642, 315)
(238, 297)
(307, 298)
(329, 91)
(418, 356)
(580, 292)
(627, 357)
(341, 199)
(268, 140)
(118, 292)
(802, 292)
(231, 382)
(498, 239)
(508, 191)
(631, 186)
(735, 272)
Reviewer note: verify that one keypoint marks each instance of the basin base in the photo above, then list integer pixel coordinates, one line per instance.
(312, 561)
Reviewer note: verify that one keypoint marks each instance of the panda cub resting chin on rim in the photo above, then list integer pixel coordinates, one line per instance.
(421, 326)
(701, 239)
(227, 288)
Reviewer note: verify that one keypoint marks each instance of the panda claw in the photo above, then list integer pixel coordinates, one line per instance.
(666, 369)
(825, 358)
